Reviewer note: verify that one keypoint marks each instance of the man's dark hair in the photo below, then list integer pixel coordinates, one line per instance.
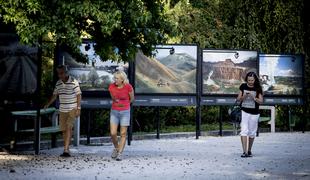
(64, 67)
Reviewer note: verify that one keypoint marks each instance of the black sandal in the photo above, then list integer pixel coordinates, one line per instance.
(65, 154)
(250, 154)
(244, 155)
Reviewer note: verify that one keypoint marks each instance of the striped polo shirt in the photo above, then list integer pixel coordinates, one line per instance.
(67, 93)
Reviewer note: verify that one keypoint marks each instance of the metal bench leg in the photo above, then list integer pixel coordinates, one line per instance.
(76, 133)
(54, 140)
(13, 144)
(15, 137)
(273, 121)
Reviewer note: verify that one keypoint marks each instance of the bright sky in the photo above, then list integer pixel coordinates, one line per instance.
(190, 50)
(93, 56)
(280, 65)
(222, 55)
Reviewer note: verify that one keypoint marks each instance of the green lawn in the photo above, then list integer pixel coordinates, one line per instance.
(189, 128)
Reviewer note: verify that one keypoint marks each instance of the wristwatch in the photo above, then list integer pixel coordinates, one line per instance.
(78, 107)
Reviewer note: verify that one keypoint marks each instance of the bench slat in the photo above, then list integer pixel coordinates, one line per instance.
(33, 112)
(261, 119)
(44, 130)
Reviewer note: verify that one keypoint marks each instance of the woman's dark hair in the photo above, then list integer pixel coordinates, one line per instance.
(257, 85)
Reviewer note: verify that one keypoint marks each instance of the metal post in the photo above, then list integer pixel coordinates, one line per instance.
(88, 126)
(131, 78)
(290, 118)
(38, 92)
(157, 123)
(305, 110)
(198, 93)
(37, 133)
(198, 121)
(305, 119)
(56, 61)
(129, 130)
(221, 123)
(273, 119)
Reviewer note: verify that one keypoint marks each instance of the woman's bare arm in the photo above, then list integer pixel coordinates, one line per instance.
(240, 96)
(131, 96)
(260, 99)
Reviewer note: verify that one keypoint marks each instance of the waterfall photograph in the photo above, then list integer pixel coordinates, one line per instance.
(281, 74)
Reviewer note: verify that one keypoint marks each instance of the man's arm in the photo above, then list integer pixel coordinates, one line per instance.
(78, 97)
(51, 100)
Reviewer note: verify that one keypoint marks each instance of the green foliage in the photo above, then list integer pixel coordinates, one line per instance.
(297, 122)
(145, 118)
(99, 122)
(209, 114)
(177, 119)
(47, 85)
(192, 128)
(269, 26)
(118, 27)
(197, 23)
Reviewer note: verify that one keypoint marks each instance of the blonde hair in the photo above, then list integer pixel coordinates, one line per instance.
(122, 75)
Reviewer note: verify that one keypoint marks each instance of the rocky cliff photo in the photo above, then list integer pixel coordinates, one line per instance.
(224, 76)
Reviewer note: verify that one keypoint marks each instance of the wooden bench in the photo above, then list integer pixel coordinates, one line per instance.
(53, 129)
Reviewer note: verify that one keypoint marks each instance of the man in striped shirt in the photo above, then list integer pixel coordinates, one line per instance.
(68, 90)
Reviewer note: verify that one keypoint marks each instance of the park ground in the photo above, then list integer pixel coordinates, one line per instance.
(276, 156)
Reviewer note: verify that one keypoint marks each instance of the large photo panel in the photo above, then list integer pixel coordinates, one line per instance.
(223, 71)
(18, 67)
(281, 74)
(172, 70)
(94, 75)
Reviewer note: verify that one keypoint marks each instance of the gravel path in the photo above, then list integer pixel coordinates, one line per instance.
(276, 156)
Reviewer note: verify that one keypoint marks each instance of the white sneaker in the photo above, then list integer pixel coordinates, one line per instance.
(114, 153)
(119, 157)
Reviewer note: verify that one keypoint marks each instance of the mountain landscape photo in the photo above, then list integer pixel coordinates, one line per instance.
(175, 73)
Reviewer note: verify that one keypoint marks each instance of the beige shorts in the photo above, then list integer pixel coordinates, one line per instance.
(66, 119)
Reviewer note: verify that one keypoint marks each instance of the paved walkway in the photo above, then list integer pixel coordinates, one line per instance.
(276, 156)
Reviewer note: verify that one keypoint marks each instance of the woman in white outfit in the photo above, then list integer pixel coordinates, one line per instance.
(251, 95)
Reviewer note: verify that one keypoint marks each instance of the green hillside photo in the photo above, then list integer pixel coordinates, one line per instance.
(174, 73)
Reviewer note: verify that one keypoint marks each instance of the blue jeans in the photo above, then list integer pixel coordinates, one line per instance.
(120, 117)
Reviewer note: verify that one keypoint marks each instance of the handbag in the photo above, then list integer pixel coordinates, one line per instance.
(235, 112)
